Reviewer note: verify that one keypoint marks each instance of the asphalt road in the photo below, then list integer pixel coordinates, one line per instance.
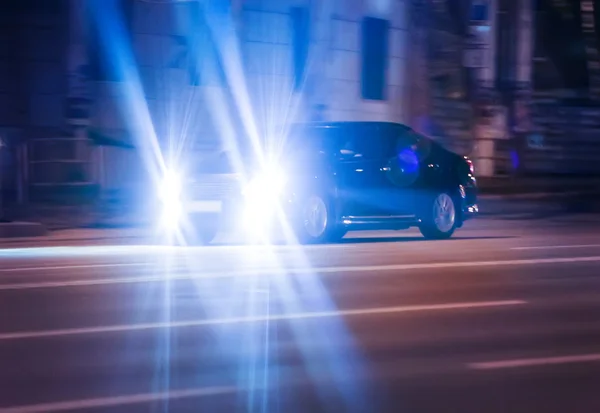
(503, 318)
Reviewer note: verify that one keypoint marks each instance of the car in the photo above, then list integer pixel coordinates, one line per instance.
(330, 178)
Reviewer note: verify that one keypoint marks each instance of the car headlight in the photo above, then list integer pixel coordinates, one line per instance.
(266, 185)
(262, 197)
(170, 187)
(170, 195)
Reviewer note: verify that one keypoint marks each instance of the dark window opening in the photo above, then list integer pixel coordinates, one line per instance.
(560, 48)
(506, 40)
(375, 40)
(300, 20)
(34, 7)
(479, 12)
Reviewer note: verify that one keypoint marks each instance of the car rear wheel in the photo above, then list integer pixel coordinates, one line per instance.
(440, 218)
(316, 222)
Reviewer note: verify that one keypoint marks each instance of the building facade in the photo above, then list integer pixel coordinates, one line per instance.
(91, 91)
(204, 70)
(33, 36)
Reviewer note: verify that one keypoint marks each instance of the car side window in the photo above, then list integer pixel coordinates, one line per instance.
(409, 141)
(406, 139)
(361, 143)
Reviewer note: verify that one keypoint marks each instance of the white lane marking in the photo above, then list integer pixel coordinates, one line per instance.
(463, 264)
(66, 252)
(531, 362)
(550, 247)
(239, 320)
(75, 267)
(105, 402)
(296, 271)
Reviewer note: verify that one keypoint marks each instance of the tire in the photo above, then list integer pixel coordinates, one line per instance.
(202, 233)
(206, 235)
(440, 218)
(316, 222)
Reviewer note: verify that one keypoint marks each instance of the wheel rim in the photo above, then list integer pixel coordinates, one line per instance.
(444, 213)
(315, 217)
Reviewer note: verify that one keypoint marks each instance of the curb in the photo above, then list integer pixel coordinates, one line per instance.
(26, 240)
(18, 229)
(533, 196)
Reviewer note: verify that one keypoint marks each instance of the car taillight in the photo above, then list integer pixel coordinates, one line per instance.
(471, 168)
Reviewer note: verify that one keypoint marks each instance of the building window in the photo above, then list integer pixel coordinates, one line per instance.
(479, 12)
(375, 40)
(300, 20)
(39, 7)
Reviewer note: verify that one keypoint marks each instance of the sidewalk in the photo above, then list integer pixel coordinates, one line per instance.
(81, 236)
(531, 186)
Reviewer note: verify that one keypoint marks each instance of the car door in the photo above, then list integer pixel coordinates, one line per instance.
(402, 167)
(363, 185)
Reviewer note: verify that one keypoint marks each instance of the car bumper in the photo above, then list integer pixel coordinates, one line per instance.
(470, 208)
(470, 211)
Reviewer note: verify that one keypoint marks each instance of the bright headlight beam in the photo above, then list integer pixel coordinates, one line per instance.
(270, 182)
(170, 196)
(262, 202)
(170, 186)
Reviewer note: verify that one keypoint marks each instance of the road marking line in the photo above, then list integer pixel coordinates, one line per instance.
(296, 271)
(119, 400)
(239, 320)
(76, 267)
(128, 250)
(543, 361)
(549, 247)
(463, 264)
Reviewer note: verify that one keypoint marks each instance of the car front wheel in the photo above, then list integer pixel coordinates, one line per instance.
(207, 235)
(439, 220)
(202, 233)
(316, 222)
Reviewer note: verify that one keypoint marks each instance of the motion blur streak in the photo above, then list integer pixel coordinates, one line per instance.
(119, 400)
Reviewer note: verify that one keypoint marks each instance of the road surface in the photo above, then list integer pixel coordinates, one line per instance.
(504, 318)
